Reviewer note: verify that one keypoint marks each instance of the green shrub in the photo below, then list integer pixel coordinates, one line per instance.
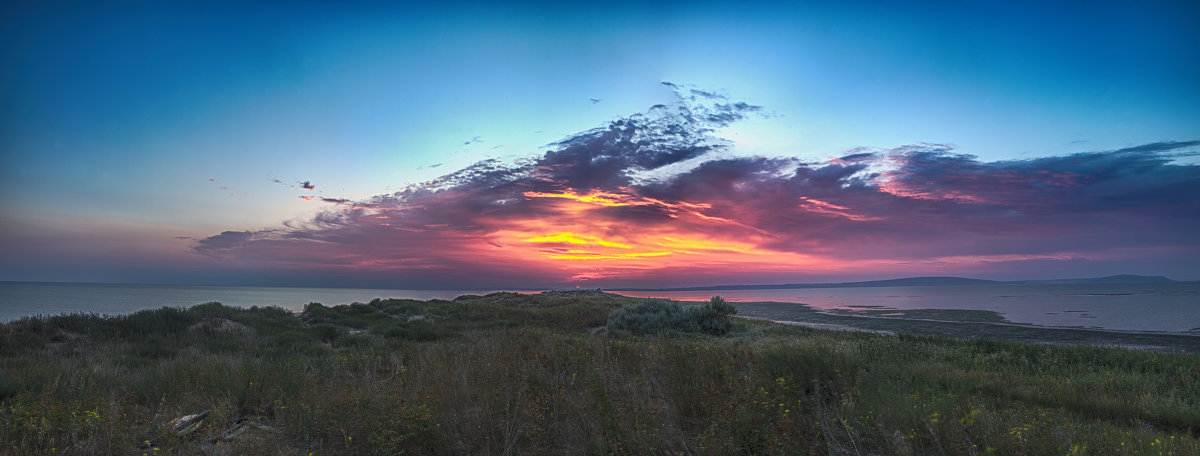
(165, 321)
(215, 310)
(417, 330)
(712, 318)
(326, 332)
(656, 317)
(650, 317)
(294, 341)
(398, 306)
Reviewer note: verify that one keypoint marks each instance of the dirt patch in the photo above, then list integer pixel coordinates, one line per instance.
(925, 314)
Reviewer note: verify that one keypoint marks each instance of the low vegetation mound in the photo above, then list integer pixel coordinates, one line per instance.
(511, 373)
(659, 317)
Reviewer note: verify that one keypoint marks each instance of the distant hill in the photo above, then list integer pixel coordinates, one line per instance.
(922, 282)
(1124, 278)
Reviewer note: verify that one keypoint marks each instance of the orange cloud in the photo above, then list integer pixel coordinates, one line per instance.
(579, 239)
(577, 214)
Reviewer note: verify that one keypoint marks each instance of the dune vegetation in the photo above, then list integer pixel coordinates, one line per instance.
(552, 374)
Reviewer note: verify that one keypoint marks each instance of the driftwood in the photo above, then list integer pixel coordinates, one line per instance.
(189, 423)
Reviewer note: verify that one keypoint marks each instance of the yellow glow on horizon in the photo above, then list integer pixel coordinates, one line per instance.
(608, 256)
(648, 246)
(674, 250)
(578, 239)
(577, 235)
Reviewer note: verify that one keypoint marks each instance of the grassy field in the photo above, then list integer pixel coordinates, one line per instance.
(521, 374)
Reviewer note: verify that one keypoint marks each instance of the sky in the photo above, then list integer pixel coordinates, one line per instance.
(597, 144)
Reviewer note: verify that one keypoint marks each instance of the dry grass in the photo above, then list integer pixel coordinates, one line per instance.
(513, 374)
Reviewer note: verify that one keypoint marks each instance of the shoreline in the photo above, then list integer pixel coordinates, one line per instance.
(804, 315)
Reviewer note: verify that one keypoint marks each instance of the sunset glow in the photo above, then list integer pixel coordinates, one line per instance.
(571, 238)
(582, 144)
(553, 220)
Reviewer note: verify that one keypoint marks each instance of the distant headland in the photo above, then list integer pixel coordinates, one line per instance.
(922, 282)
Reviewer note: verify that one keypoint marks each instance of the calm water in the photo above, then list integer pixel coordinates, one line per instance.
(1171, 307)
(20, 299)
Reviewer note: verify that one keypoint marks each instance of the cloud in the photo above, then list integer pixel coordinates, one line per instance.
(1181, 147)
(927, 200)
(307, 185)
(576, 213)
(325, 200)
(225, 241)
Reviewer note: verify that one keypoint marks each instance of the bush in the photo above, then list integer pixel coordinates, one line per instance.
(712, 318)
(326, 332)
(650, 317)
(655, 317)
(417, 330)
(166, 321)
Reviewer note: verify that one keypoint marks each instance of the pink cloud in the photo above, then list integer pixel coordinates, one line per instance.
(576, 215)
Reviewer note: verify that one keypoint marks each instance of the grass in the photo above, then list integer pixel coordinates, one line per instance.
(520, 374)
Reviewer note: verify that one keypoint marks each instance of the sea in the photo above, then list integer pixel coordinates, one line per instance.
(1160, 307)
(22, 299)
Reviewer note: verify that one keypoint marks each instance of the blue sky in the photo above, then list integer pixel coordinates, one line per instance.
(131, 130)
